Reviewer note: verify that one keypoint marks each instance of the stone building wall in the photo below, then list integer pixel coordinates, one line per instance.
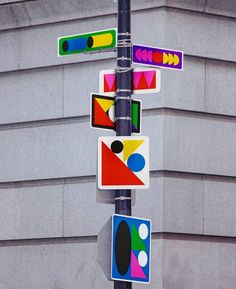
(49, 215)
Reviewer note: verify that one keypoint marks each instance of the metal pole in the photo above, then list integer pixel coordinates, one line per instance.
(123, 103)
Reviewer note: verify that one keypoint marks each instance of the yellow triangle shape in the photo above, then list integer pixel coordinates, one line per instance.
(171, 59)
(176, 59)
(130, 146)
(165, 58)
(105, 103)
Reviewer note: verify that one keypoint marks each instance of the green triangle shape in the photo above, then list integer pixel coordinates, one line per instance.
(137, 243)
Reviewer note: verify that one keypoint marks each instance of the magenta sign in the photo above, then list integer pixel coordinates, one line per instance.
(158, 57)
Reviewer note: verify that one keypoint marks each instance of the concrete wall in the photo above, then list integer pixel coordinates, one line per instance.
(49, 215)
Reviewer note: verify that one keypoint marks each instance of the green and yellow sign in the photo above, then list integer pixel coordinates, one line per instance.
(86, 42)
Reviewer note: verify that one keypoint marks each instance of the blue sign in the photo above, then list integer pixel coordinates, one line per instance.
(131, 246)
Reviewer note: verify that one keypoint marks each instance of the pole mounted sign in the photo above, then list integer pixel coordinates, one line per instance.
(123, 162)
(87, 42)
(159, 57)
(131, 246)
(102, 114)
(144, 80)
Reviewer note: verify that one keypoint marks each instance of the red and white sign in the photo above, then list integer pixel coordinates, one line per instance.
(123, 162)
(143, 81)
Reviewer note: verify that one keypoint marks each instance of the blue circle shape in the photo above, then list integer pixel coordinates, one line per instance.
(136, 162)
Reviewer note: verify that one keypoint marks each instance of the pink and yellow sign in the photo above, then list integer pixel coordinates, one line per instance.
(143, 81)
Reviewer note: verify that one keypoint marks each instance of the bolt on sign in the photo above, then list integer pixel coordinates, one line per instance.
(102, 113)
(87, 42)
(130, 249)
(144, 80)
(123, 162)
(159, 57)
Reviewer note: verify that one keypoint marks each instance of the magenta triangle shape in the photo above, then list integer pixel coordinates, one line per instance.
(149, 76)
(110, 79)
(136, 270)
(136, 78)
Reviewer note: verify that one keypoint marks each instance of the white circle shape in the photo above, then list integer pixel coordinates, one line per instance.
(142, 258)
(111, 113)
(143, 231)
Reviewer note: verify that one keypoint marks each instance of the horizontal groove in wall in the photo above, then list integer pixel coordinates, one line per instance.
(93, 239)
(146, 112)
(148, 7)
(45, 122)
(16, 2)
(47, 67)
(57, 66)
(192, 176)
(92, 179)
(47, 182)
(48, 241)
(193, 237)
(191, 114)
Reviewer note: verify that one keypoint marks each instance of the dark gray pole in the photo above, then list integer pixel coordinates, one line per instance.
(123, 103)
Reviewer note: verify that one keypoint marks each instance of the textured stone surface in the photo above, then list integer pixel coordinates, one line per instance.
(220, 87)
(65, 91)
(31, 95)
(185, 89)
(221, 7)
(188, 206)
(199, 145)
(80, 208)
(31, 212)
(79, 81)
(183, 205)
(219, 208)
(34, 44)
(9, 45)
(71, 265)
(41, 11)
(82, 215)
(74, 264)
(49, 152)
(188, 31)
(175, 205)
(197, 5)
(198, 264)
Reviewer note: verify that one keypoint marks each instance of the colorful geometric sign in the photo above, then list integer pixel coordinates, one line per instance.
(160, 57)
(103, 113)
(123, 162)
(96, 40)
(131, 246)
(143, 81)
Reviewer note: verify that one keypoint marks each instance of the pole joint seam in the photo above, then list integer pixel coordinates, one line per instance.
(123, 117)
(123, 58)
(123, 97)
(121, 69)
(123, 198)
(124, 43)
(123, 90)
(124, 33)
